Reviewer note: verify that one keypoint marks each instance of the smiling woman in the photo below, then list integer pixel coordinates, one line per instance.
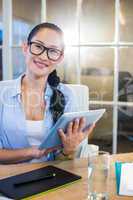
(32, 103)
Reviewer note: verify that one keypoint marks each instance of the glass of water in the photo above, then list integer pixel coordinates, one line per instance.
(98, 175)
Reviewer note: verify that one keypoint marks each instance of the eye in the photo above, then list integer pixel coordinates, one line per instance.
(54, 52)
(38, 46)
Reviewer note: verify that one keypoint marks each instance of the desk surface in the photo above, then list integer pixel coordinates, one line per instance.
(75, 191)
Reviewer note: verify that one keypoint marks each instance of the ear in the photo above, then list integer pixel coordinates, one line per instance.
(24, 47)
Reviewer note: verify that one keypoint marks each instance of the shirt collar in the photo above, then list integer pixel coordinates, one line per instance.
(17, 88)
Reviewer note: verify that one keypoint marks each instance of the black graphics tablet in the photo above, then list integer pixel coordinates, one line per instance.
(39, 181)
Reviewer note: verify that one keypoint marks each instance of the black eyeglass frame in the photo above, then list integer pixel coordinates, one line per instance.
(45, 49)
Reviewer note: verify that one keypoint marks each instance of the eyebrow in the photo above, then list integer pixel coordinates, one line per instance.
(52, 46)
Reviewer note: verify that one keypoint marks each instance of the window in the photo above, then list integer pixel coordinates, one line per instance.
(99, 49)
(99, 38)
(26, 14)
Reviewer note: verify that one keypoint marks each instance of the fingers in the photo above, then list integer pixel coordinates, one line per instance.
(78, 125)
(62, 135)
(40, 153)
(90, 129)
(43, 152)
(75, 126)
(37, 153)
(82, 123)
(70, 128)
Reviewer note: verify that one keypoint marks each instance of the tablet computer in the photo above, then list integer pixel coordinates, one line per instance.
(53, 139)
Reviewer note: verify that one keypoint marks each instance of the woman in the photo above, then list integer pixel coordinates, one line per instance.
(31, 104)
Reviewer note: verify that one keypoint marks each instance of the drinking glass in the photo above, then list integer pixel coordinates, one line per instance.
(98, 176)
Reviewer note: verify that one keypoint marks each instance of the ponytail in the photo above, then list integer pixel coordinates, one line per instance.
(57, 101)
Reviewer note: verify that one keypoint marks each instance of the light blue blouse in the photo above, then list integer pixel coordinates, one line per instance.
(13, 133)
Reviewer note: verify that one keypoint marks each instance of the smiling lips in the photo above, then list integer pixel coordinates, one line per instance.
(40, 64)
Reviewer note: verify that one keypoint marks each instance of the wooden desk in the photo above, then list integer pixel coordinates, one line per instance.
(76, 191)
(127, 157)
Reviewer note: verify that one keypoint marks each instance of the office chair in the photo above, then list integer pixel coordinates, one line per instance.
(82, 95)
(125, 113)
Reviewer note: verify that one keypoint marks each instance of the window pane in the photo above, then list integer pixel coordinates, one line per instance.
(125, 129)
(126, 75)
(18, 64)
(26, 14)
(126, 20)
(97, 21)
(64, 14)
(97, 72)
(102, 135)
(67, 69)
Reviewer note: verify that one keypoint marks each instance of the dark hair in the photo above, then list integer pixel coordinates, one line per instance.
(38, 27)
(57, 101)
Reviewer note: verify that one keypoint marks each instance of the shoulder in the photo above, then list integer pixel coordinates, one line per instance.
(7, 89)
(13, 83)
(7, 83)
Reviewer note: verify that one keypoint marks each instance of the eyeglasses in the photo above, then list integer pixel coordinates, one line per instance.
(38, 49)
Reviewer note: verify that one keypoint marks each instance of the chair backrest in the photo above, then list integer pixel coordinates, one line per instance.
(82, 94)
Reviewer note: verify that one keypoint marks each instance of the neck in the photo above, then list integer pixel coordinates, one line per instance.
(34, 82)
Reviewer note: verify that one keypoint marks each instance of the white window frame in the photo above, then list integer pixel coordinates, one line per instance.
(7, 69)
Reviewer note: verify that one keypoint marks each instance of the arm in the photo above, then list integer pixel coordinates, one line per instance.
(7, 154)
(72, 143)
(18, 155)
(76, 140)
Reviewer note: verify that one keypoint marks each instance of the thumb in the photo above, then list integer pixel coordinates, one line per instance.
(43, 152)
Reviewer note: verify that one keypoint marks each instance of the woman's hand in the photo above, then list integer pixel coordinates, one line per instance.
(74, 135)
(34, 152)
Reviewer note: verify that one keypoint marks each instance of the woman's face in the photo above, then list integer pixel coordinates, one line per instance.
(38, 62)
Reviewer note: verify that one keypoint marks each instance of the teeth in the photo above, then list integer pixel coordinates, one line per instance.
(40, 64)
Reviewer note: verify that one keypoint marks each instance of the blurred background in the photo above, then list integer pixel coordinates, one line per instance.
(99, 54)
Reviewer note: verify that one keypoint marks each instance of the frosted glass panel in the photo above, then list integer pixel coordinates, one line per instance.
(97, 21)
(97, 65)
(26, 14)
(126, 20)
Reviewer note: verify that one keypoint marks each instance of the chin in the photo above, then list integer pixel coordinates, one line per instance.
(40, 73)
